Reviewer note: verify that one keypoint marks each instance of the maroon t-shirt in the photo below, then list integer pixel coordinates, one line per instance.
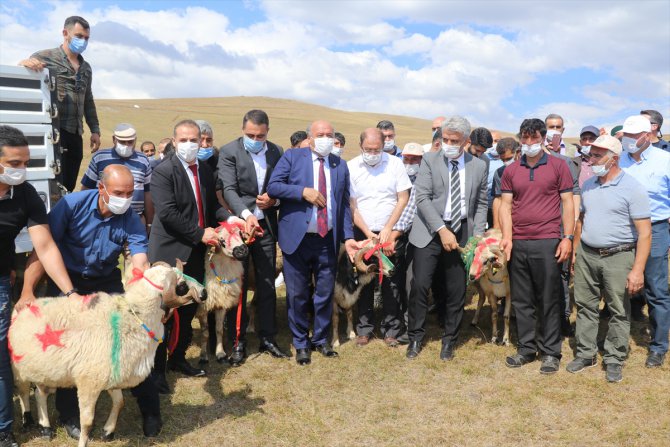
(536, 200)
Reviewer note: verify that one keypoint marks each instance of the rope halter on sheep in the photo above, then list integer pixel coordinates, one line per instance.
(137, 275)
(381, 257)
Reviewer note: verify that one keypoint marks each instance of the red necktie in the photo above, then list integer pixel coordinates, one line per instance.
(322, 213)
(201, 216)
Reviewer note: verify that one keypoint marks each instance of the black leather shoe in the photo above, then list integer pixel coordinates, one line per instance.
(152, 425)
(325, 350)
(185, 368)
(447, 352)
(272, 348)
(71, 427)
(413, 349)
(303, 356)
(161, 383)
(238, 355)
(7, 439)
(654, 360)
(518, 360)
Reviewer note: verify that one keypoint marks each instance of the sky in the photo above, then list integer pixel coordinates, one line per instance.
(494, 62)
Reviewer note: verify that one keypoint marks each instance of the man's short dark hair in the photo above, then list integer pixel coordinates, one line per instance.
(385, 125)
(481, 137)
(339, 137)
(507, 144)
(298, 137)
(554, 116)
(656, 117)
(11, 137)
(71, 21)
(145, 143)
(258, 117)
(189, 123)
(531, 125)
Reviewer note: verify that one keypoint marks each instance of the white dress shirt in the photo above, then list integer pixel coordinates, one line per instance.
(261, 167)
(190, 176)
(312, 226)
(461, 174)
(376, 188)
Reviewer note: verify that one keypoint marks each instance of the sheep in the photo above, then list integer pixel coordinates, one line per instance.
(348, 286)
(105, 342)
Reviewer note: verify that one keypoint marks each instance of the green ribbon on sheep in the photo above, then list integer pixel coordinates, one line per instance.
(115, 324)
(468, 254)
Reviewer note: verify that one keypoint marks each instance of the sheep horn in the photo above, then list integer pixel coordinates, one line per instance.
(358, 261)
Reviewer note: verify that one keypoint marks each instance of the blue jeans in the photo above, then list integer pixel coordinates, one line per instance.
(6, 376)
(656, 288)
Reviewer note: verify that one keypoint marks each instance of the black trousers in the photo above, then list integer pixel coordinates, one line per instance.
(264, 254)
(536, 296)
(427, 260)
(146, 392)
(72, 152)
(391, 289)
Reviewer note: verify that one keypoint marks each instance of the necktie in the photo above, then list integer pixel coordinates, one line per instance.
(322, 213)
(455, 197)
(201, 215)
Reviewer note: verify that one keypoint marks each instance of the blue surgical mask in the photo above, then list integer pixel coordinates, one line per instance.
(205, 153)
(253, 146)
(77, 45)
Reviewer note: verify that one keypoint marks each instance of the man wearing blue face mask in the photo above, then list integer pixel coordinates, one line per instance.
(124, 153)
(75, 97)
(651, 167)
(245, 167)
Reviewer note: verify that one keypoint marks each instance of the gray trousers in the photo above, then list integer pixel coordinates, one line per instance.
(594, 273)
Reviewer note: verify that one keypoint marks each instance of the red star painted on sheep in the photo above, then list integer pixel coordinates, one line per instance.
(50, 337)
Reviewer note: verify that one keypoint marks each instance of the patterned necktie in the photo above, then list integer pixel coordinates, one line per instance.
(322, 213)
(455, 197)
(201, 215)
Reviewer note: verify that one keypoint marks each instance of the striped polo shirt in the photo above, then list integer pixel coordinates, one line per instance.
(139, 166)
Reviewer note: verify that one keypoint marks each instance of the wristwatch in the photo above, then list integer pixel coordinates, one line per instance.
(569, 236)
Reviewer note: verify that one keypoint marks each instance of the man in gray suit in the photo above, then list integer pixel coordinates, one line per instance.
(245, 167)
(451, 206)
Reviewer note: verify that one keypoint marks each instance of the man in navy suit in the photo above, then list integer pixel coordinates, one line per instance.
(314, 218)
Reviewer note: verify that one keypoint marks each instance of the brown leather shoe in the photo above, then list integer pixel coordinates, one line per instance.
(362, 340)
(391, 342)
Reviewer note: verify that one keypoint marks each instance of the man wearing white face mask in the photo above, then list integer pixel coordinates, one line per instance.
(536, 197)
(124, 153)
(20, 206)
(555, 129)
(388, 130)
(451, 206)
(338, 144)
(651, 167)
(245, 167)
(613, 237)
(379, 193)
(91, 228)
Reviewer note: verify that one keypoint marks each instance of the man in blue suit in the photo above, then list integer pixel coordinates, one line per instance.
(314, 218)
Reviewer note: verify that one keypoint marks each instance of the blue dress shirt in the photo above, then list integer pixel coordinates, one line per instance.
(653, 172)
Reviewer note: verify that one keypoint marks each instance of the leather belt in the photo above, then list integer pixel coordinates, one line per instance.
(609, 251)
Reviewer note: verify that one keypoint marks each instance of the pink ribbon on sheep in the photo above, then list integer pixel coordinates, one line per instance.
(139, 274)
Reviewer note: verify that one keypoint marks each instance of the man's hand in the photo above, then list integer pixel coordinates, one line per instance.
(251, 224)
(33, 64)
(385, 235)
(634, 281)
(351, 246)
(209, 235)
(506, 246)
(95, 142)
(563, 250)
(448, 240)
(314, 197)
(26, 300)
(264, 201)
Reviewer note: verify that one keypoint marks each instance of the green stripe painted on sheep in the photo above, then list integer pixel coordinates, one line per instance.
(115, 323)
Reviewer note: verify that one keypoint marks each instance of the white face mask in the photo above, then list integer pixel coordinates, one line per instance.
(123, 150)
(337, 151)
(531, 150)
(117, 205)
(323, 146)
(629, 145)
(586, 150)
(389, 145)
(450, 151)
(551, 133)
(600, 170)
(188, 151)
(508, 162)
(412, 169)
(13, 176)
(371, 159)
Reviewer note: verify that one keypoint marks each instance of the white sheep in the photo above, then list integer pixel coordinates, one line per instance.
(105, 342)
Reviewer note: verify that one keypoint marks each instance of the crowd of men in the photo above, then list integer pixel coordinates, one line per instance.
(601, 215)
